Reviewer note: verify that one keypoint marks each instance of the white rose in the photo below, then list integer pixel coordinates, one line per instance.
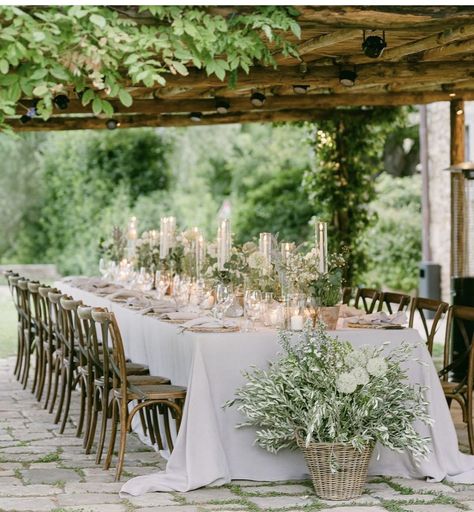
(355, 358)
(377, 366)
(360, 376)
(346, 383)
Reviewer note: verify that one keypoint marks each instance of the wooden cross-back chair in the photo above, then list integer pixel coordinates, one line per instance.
(27, 328)
(54, 297)
(421, 306)
(368, 298)
(36, 331)
(168, 398)
(99, 345)
(48, 344)
(393, 302)
(457, 375)
(67, 333)
(13, 279)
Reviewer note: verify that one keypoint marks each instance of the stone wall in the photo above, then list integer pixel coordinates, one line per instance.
(438, 154)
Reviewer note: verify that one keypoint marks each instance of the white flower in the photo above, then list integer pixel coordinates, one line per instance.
(346, 383)
(249, 247)
(212, 250)
(355, 358)
(360, 375)
(256, 260)
(377, 366)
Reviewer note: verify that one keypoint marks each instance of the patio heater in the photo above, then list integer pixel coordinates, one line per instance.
(462, 251)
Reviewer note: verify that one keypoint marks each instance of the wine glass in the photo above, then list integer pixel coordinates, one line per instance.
(181, 290)
(162, 283)
(252, 307)
(103, 268)
(223, 298)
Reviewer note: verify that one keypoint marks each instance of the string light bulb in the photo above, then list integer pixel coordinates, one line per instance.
(196, 116)
(347, 77)
(257, 99)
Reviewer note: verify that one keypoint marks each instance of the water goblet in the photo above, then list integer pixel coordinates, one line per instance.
(252, 307)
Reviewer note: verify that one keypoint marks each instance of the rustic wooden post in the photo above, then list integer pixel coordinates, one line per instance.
(458, 206)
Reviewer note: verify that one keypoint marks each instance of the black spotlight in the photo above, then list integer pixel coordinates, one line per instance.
(373, 46)
(25, 119)
(257, 99)
(195, 116)
(112, 124)
(61, 101)
(222, 106)
(347, 77)
(300, 89)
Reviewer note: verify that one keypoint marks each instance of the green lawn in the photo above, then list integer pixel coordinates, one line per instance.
(7, 324)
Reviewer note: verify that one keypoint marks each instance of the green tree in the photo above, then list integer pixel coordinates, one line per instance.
(90, 182)
(393, 243)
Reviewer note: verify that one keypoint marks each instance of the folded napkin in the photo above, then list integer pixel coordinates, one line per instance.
(124, 295)
(158, 311)
(379, 318)
(208, 322)
(106, 290)
(137, 302)
(179, 316)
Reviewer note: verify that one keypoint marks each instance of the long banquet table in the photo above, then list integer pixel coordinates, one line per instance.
(209, 449)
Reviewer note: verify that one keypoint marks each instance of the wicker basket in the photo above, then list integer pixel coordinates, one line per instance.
(348, 481)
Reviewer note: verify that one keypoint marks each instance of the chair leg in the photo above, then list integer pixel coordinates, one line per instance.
(93, 423)
(41, 371)
(113, 434)
(49, 372)
(156, 428)
(470, 430)
(82, 407)
(63, 393)
(103, 427)
(37, 367)
(19, 353)
(125, 423)
(43, 374)
(57, 374)
(166, 419)
(27, 362)
(89, 404)
(69, 386)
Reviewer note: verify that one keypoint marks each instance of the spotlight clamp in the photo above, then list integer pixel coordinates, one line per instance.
(373, 46)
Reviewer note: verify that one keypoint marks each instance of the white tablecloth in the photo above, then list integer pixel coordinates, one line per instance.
(210, 451)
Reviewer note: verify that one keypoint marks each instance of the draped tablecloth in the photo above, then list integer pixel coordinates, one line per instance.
(209, 449)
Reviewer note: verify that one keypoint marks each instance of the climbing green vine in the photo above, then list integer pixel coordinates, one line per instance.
(348, 151)
(97, 51)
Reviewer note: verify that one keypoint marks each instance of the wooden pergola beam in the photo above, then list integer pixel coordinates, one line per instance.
(328, 76)
(273, 103)
(142, 120)
(458, 199)
(320, 42)
(447, 50)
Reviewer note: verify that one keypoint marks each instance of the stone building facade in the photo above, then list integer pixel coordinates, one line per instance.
(439, 183)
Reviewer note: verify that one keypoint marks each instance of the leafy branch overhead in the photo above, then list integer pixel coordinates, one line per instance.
(97, 52)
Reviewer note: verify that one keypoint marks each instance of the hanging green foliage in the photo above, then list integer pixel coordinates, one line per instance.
(97, 51)
(349, 150)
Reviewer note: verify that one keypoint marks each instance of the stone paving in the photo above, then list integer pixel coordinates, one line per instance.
(41, 470)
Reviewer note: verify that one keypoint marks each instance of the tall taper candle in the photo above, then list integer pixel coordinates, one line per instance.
(322, 245)
(163, 237)
(224, 243)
